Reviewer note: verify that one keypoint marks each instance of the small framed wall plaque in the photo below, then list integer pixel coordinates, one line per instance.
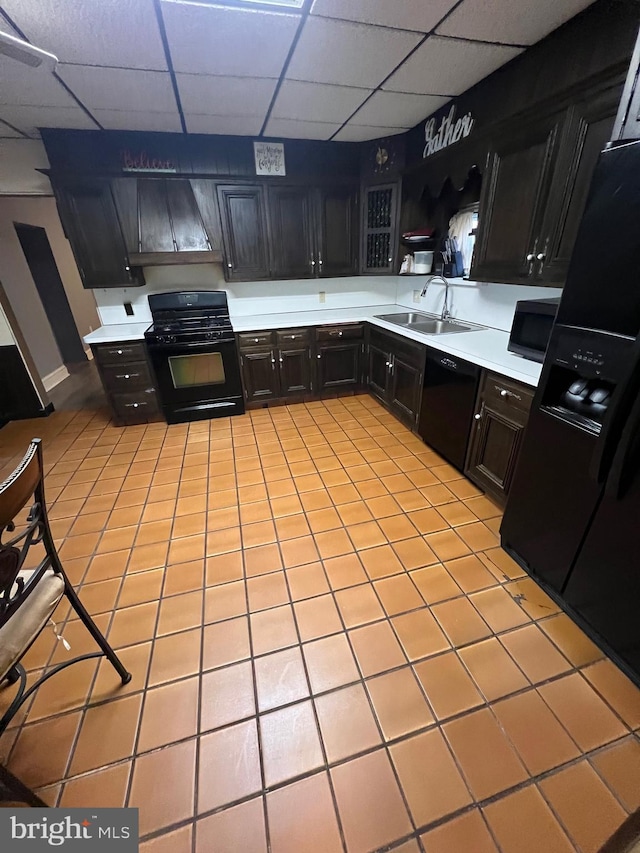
(269, 157)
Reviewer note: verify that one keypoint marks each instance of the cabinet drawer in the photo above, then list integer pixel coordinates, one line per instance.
(506, 395)
(333, 333)
(120, 378)
(255, 339)
(289, 336)
(136, 406)
(120, 353)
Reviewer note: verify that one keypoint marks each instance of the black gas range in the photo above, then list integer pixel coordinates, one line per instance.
(194, 356)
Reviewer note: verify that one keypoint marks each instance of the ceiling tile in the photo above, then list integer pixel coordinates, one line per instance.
(120, 88)
(243, 96)
(123, 33)
(402, 14)
(21, 85)
(227, 125)
(361, 133)
(395, 109)
(7, 132)
(349, 54)
(448, 66)
(168, 122)
(292, 129)
(510, 21)
(235, 42)
(28, 119)
(317, 101)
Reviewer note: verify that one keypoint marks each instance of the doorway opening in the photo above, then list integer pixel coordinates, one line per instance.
(44, 271)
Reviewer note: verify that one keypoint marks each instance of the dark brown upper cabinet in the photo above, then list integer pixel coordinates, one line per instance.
(588, 128)
(379, 229)
(93, 227)
(275, 231)
(516, 187)
(243, 213)
(536, 185)
(291, 241)
(171, 226)
(337, 231)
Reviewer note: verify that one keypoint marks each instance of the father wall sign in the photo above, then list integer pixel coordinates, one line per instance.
(449, 132)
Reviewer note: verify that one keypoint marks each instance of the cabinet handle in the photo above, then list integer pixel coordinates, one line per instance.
(531, 257)
(257, 340)
(320, 259)
(134, 405)
(230, 266)
(541, 256)
(318, 356)
(281, 359)
(477, 416)
(336, 332)
(127, 375)
(506, 394)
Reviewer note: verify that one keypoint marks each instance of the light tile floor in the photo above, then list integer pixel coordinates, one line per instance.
(330, 651)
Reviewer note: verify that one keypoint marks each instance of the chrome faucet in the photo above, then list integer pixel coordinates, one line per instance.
(446, 313)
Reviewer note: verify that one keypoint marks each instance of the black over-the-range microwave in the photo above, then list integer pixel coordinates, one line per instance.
(531, 327)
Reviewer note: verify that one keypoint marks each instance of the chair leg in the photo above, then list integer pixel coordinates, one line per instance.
(95, 632)
(16, 673)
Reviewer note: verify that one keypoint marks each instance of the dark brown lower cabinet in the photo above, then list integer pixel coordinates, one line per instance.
(338, 354)
(259, 375)
(275, 364)
(501, 416)
(128, 381)
(395, 373)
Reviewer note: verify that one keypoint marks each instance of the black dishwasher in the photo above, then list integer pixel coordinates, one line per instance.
(448, 402)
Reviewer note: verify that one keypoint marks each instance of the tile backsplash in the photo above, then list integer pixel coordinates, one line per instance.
(487, 304)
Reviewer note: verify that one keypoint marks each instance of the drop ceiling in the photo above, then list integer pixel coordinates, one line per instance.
(348, 70)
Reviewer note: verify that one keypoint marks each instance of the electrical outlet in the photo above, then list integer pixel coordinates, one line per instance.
(322, 296)
(128, 309)
(416, 296)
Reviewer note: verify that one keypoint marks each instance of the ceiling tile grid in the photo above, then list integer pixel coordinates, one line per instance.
(121, 33)
(7, 132)
(510, 21)
(416, 15)
(241, 96)
(120, 88)
(362, 133)
(294, 129)
(224, 125)
(318, 102)
(392, 109)
(207, 39)
(444, 66)
(348, 54)
(344, 69)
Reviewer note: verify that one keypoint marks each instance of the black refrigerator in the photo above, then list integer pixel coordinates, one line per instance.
(573, 515)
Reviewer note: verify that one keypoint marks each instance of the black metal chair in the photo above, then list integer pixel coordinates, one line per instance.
(29, 594)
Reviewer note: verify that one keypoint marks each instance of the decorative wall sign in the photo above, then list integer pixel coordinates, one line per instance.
(141, 162)
(449, 132)
(269, 157)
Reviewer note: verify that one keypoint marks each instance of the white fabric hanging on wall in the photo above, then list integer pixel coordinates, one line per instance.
(460, 227)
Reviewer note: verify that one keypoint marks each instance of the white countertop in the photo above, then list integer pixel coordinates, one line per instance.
(121, 332)
(484, 347)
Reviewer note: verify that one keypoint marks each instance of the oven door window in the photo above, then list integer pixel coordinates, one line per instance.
(188, 371)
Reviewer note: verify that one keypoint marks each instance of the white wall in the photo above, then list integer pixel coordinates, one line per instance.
(19, 159)
(6, 335)
(247, 297)
(476, 301)
(488, 304)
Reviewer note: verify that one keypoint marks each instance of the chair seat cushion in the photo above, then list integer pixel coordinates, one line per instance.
(29, 619)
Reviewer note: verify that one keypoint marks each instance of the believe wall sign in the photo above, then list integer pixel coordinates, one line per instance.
(449, 132)
(142, 162)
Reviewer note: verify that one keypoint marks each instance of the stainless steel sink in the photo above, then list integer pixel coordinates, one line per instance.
(425, 324)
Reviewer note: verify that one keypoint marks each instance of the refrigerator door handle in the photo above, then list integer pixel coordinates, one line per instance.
(614, 423)
(622, 468)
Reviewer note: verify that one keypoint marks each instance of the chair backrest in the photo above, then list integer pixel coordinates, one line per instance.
(23, 488)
